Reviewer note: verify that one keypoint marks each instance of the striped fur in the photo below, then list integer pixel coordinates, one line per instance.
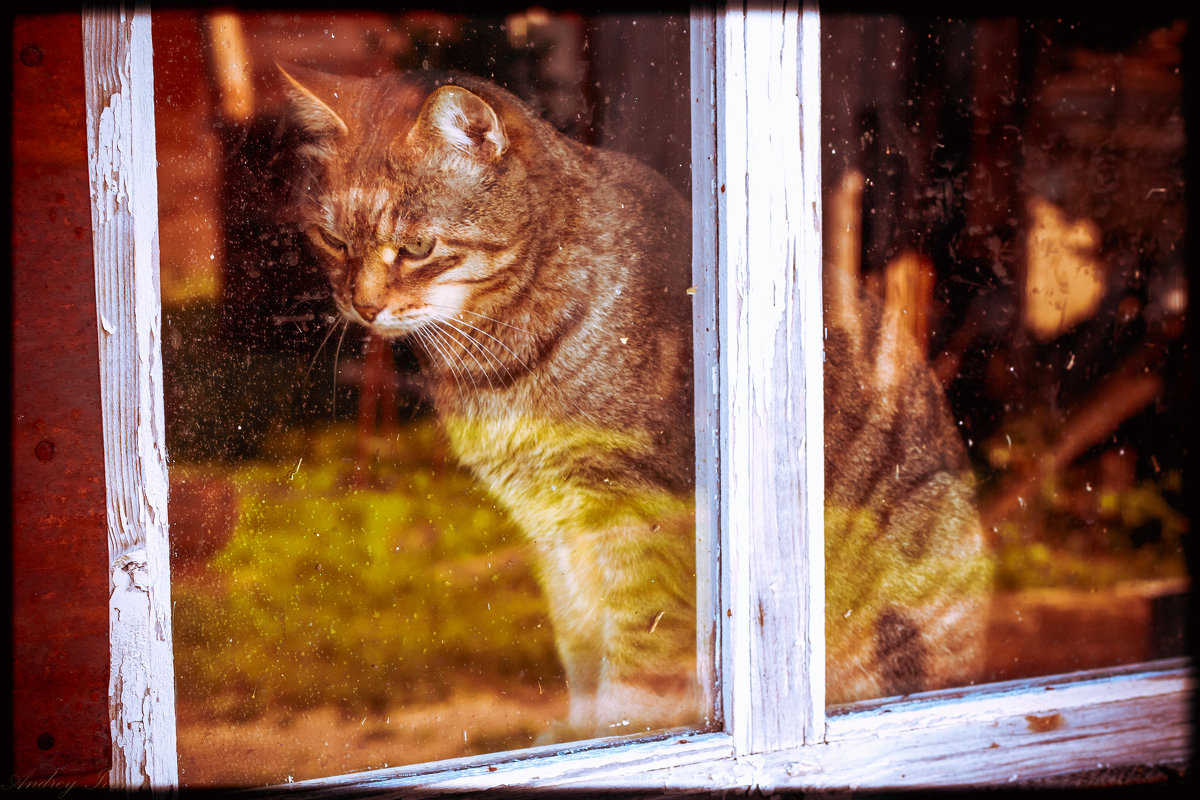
(545, 286)
(553, 322)
(908, 571)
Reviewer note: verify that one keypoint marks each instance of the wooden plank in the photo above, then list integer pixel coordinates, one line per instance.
(1005, 734)
(119, 89)
(770, 331)
(59, 583)
(609, 764)
(807, 270)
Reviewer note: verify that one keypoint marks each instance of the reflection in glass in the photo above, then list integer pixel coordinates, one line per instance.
(1009, 196)
(348, 595)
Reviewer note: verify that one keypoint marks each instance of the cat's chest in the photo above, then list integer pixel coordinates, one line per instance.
(541, 468)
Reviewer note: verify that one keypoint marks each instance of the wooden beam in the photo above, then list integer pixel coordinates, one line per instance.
(59, 580)
(119, 88)
(1008, 734)
(770, 326)
(706, 358)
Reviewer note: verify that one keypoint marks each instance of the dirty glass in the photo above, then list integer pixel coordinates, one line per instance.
(1005, 227)
(346, 594)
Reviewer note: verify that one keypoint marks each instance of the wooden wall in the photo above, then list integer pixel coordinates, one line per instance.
(59, 543)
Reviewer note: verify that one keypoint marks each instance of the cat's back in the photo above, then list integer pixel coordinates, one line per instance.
(908, 570)
(606, 243)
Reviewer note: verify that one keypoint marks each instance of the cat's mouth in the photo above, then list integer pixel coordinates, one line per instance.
(393, 320)
(382, 322)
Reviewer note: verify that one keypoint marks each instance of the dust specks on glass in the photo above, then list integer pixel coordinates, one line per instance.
(1008, 196)
(348, 595)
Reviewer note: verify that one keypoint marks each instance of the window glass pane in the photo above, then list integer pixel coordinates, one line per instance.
(451, 512)
(1008, 197)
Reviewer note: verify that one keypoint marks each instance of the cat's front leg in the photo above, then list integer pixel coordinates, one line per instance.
(648, 675)
(571, 588)
(621, 596)
(648, 705)
(622, 599)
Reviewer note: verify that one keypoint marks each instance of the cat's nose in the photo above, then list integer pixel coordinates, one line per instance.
(367, 311)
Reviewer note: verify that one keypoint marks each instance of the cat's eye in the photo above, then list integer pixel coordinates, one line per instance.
(417, 247)
(329, 240)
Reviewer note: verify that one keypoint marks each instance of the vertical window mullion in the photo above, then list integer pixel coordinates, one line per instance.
(119, 85)
(769, 312)
(705, 232)
(809, 265)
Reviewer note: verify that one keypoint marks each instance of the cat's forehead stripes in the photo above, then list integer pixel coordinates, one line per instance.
(387, 225)
(368, 203)
(371, 210)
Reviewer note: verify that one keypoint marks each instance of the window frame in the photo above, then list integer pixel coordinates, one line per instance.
(119, 98)
(757, 228)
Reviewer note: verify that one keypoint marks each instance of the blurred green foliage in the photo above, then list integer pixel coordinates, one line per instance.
(1074, 537)
(1108, 515)
(360, 585)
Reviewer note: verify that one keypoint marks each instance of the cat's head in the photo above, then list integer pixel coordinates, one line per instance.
(405, 199)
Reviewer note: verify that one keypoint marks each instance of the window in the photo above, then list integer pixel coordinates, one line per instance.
(1011, 191)
(759, 195)
(344, 590)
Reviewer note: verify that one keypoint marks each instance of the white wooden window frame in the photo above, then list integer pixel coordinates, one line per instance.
(756, 199)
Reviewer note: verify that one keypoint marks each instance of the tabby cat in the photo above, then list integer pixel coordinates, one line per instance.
(908, 571)
(545, 286)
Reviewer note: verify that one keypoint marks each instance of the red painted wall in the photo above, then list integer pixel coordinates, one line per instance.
(59, 540)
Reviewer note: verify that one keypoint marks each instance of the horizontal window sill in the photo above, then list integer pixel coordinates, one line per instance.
(1019, 731)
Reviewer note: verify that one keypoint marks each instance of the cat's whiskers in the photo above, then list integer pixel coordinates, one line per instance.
(490, 358)
(483, 347)
(336, 355)
(549, 387)
(483, 316)
(450, 335)
(488, 349)
(429, 345)
(432, 342)
(338, 320)
(437, 338)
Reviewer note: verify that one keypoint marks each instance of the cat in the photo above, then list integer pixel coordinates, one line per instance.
(908, 568)
(545, 286)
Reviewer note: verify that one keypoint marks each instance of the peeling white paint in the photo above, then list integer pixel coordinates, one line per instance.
(120, 117)
(773, 671)
(947, 739)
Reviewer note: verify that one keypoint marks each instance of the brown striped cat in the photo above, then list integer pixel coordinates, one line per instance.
(545, 286)
(908, 571)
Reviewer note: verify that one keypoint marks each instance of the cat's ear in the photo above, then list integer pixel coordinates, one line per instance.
(464, 121)
(312, 93)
